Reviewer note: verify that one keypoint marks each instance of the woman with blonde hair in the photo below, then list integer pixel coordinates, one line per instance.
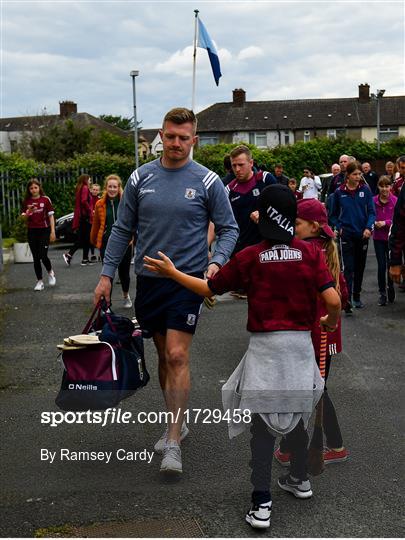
(105, 215)
(391, 171)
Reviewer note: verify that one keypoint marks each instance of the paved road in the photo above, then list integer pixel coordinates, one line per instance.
(360, 498)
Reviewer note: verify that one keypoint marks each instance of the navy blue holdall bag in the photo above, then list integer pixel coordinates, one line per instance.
(100, 376)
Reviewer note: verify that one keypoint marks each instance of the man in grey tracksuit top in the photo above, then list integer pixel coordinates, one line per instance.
(169, 203)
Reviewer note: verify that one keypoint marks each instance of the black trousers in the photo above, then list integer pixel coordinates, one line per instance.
(262, 448)
(38, 240)
(382, 254)
(83, 239)
(354, 256)
(123, 268)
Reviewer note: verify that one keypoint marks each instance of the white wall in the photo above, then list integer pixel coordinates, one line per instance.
(369, 134)
(4, 141)
(240, 137)
(7, 136)
(157, 145)
(273, 139)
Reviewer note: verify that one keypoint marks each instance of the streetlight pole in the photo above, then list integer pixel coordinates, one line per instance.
(134, 74)
(378, 98)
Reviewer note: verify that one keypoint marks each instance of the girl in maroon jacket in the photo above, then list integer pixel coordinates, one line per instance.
(82, 220)
(38, 210)
(312, 226)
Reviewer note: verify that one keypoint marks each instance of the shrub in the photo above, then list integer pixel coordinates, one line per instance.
(19, 230)
(319, 154)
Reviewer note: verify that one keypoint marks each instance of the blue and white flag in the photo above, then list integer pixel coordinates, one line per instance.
(205, 42)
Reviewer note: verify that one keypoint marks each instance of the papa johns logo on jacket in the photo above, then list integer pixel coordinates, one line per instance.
(281, 253)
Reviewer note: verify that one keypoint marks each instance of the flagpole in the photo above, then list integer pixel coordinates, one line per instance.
(194, 64)
(194, 58)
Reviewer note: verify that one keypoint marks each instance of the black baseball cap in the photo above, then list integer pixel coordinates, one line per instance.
(277, 213)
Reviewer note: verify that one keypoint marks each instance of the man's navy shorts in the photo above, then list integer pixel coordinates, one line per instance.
(163, 304)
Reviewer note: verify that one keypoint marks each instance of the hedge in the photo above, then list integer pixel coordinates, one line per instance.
(318, 154)
(59, 178)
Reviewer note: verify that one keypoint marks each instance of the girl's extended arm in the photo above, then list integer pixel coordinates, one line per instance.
(166, 268)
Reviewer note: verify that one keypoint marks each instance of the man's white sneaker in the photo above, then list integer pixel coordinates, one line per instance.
(171, 462)
(39, 286)
(51, 278)
(259, 515)
(127, 302)
(159, 446)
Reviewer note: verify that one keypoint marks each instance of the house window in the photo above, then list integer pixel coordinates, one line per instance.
(386, 134)
(258, 139)
(13, 146)
(307, 136)
(286, 137)
(331, 133)
(203, 140)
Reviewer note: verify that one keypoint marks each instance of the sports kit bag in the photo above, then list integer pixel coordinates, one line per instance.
(98, 374)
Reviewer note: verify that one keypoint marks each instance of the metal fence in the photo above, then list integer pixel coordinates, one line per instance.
(12, 189)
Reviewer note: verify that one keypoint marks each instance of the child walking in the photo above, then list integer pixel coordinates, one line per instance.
(384, 205)
(105, 215)
(82, 220)
(38, 210)
(277, 380)
(95, 192)
(312, 226)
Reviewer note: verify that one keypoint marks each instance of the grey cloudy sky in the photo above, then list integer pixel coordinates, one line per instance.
(84, 50)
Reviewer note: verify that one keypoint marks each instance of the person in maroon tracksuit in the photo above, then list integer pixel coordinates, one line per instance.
(400, 179)
(397, 240)
(312, 226)
(384, 206)
(82, 220)
(37, 209)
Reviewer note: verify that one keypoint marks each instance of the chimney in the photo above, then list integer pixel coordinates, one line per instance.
(364, 93)
(67, 108)
(239, 97)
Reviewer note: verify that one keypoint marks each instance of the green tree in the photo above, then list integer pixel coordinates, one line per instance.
(118, 121)
(104, 141)
(60, 142)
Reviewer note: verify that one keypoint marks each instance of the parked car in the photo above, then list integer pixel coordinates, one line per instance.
(63, 228)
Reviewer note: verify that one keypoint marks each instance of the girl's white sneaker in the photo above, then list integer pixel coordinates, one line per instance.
(259, 515)
(51, 278)
(39, 286)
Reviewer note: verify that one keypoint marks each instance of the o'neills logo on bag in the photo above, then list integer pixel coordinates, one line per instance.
(280, 254)
(282, 221)
(78, 386)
